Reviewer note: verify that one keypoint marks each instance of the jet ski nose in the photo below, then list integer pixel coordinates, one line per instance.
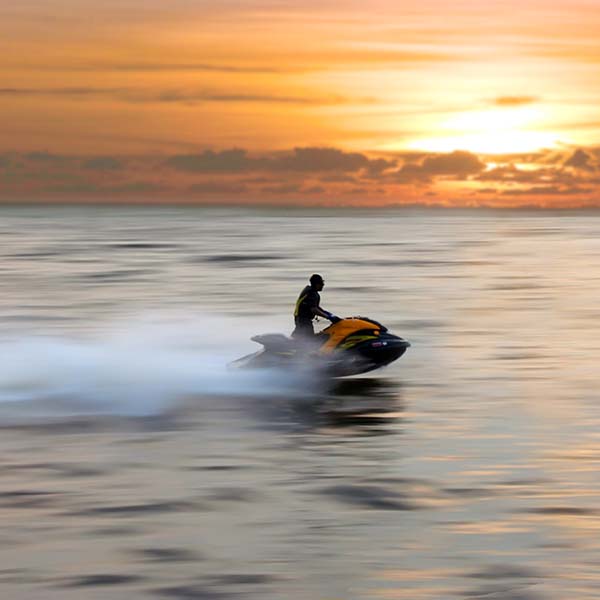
(383, 350)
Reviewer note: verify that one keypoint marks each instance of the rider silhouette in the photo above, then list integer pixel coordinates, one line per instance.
(308, 307)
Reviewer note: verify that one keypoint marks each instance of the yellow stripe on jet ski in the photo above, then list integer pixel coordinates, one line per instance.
(338, 332)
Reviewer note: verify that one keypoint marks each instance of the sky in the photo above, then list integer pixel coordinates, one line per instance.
(345, 103)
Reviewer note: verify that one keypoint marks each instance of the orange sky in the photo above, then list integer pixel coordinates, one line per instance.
(338, 103)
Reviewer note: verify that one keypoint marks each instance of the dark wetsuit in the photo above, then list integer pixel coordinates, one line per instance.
(308, 300)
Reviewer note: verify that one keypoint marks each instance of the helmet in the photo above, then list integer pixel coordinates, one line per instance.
(315, 279)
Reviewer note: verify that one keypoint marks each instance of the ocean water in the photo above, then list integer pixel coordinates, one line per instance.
(134, 465)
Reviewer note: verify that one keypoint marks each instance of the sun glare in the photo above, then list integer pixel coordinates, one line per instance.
(498, 131)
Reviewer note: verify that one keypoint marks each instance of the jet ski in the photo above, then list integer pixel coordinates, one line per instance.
(350, 346)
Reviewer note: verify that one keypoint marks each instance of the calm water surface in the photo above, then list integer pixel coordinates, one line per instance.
(133, 465)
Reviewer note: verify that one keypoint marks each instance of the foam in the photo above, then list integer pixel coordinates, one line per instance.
(137, 367)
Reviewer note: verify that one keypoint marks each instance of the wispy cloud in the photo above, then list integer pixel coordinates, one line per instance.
(133, 95)
(515, 100)
(546, 190)
(190, 97)
(157, 67)
(62, 91)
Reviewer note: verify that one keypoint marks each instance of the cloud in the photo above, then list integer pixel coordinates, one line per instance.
(315, 189)
(132, 95)
(135, 187)
(299, 160)
(457, 165)
(542, 156)
(411, 173)
(191, 97)
(548, 157)
(158, 67)
(546, 190)
(357, 191)
(46, 157)
(94, 189)
(315, 174)
(541, 176)
(366, 55)
(376, 167)
(333, 161)
(43, 173)
(335, 178)
(580, 160)
(65, 91)
(515, 100)
(321, 159)
(512, 174)
(410, 156)
(257, 180)
(40, 176)
(235, 160)
(218, 187)
(300, 60)
(102, 163)
(284, 188)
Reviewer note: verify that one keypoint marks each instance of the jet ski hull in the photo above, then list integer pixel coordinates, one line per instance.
(380, 353)
(354, 346)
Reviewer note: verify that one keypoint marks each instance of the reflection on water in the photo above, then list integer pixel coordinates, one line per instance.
(135, 466)
(361, 404)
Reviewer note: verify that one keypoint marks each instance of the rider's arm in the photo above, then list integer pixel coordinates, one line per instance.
(318, 311)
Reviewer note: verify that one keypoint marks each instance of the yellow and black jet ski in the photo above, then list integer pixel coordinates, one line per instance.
(350, 346)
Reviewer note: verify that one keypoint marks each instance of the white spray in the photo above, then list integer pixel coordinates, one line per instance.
(136, 368)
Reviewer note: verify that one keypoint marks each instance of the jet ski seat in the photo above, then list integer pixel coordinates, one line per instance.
(275, 341)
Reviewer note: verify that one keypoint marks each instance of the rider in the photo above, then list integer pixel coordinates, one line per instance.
(307, 308)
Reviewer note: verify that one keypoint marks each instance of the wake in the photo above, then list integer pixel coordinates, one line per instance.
(135, 368)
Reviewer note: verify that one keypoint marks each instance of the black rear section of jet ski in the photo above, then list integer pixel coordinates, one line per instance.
(349, 347)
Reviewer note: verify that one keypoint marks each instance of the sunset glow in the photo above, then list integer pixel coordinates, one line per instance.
(489, 141)
(498, 131)
(148, 102)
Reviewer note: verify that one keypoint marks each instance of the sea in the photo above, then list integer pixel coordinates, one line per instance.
(134, 464)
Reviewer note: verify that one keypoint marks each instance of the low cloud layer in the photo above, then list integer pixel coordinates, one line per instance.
(303, 160)
(581, 160)
(457, 165)
(102, 163)
(311, 175)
